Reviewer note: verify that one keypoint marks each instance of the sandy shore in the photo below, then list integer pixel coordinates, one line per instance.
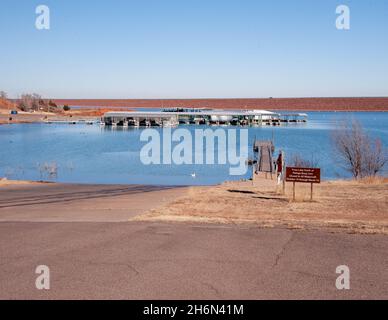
(338, 205)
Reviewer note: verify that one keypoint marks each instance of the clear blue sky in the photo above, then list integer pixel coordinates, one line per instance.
(194, 49)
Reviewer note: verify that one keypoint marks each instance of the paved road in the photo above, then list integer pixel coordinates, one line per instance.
(180, 261)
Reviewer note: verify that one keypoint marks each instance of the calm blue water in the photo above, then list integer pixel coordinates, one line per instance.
(94, 154)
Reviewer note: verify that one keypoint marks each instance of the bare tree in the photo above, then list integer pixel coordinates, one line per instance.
(362, 156)
(31, 102)
(375, 158)
(3, 95)
(297, 160)
(25, 102)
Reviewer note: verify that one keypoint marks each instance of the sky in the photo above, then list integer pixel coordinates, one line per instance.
(194, 49)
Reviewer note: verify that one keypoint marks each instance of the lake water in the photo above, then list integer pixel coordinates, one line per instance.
(93, 154)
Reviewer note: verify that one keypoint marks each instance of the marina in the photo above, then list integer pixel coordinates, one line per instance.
(200, 116)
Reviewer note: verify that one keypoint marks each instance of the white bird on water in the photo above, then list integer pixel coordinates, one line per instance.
(193, 175)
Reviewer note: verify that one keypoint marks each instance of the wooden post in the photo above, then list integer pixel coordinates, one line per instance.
(284, 172)
(311, 194)
(253, 174)
(293, 190)
(270, 160)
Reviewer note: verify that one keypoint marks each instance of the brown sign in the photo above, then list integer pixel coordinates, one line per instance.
(307, 175)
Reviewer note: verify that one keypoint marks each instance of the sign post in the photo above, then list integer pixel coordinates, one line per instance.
(293, 190)
(303, 175)
(284, 171)
(311, 192)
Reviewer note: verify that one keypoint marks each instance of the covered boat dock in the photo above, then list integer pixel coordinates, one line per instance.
(171, 117)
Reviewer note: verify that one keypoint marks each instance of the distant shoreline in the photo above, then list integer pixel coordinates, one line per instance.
(296, 104)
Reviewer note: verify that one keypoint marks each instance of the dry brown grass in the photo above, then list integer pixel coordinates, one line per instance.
(374, 180)
(354, 206)
(5, 182)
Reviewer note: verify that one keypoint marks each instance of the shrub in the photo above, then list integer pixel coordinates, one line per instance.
(52, 104)
(362, 155)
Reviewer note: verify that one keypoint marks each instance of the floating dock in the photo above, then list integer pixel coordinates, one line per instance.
(174, 117)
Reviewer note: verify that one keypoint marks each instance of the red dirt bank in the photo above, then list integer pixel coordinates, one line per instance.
(310, 104)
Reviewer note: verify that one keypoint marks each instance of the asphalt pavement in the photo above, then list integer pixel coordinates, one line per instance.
(138, 260)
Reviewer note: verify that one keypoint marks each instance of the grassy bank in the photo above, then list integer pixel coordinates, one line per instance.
(351, 206)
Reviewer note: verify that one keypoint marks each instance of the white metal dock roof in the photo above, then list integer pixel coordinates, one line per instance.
(188, 113)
